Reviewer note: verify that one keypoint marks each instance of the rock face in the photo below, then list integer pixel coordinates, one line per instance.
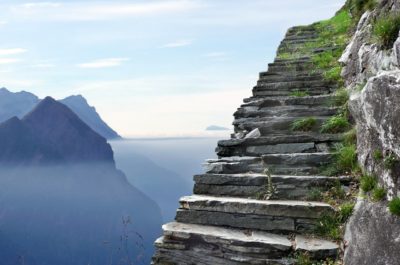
(21, 103)
(372, 233)
(63, 200)
(227, 220)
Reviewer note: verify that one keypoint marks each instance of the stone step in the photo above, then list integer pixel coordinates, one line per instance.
(275, 78)
(290, 85)
(302, 142)
(297, 163)
(274, 125)
(242, 213)
(285, 111)
(289, 75)
(253, 185)
(199, 244)
(315, 91)
(265, 102)
(280, 164)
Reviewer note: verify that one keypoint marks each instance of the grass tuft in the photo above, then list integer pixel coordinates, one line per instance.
(394, 206)
(368, 183)
(341, 97)
(377, 155)
(346, 158)
(350, 137)
(386, 30)
(304, 125)
(378, 194)
(299, 94)
(390, 161)
(335, 124)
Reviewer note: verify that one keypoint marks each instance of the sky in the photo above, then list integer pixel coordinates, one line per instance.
(152, 68)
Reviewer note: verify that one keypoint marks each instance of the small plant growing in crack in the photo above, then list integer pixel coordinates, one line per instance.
(269, 190)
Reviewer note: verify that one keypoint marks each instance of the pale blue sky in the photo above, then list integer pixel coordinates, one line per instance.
(151, 68)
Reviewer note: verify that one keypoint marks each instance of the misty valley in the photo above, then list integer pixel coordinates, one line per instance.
(63, 199)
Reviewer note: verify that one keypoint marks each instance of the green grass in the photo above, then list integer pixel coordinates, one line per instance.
(340, 98)
(304, 125)
(334, 74)
(328, 226)
(345, 211)
(390, 161)
(378, 194)
(335, 124)
(346, 158)
(360, 6)
(368, 183)
(299, 94)
(377, 155)
(315, 194)
(386, 30)
(303, 258)
(394, 206)
(350, 137)
(331, 226)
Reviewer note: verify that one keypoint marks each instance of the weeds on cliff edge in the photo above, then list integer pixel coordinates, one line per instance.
(350, 137)
(367, 183)
(378, 194)
(332, 225)
(390, 161)
(341, 97)
(358, 7)
(386, 30)
(377, 155)
(394, 206)
(304, 124)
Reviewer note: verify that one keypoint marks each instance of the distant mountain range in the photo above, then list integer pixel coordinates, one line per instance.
(20, 103)
(63, 201)
(216, 128)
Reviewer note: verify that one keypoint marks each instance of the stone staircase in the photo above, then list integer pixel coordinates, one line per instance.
(225, 221)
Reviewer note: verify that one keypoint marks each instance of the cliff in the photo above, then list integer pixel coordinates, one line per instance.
(63, 200)
(315, 144)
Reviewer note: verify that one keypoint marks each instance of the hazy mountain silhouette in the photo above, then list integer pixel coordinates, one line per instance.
(20, 103)
(62, 199)
(89, 115)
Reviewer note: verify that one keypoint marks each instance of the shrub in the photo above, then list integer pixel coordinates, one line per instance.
(390, 161)
(394, 206)
(303, 125)
(386, 30)
(303, 259)
(335, 124)
(298, 93)
(367, 183)
(378, 194)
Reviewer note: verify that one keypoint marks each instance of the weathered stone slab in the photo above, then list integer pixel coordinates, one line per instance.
(318, 248)
(295, 209)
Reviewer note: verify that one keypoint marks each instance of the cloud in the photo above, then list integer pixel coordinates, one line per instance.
(179, 43)
(104, 63)
(83, 11)
(40, 5)
(13, 51)
(9, 60)
(43, 65)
